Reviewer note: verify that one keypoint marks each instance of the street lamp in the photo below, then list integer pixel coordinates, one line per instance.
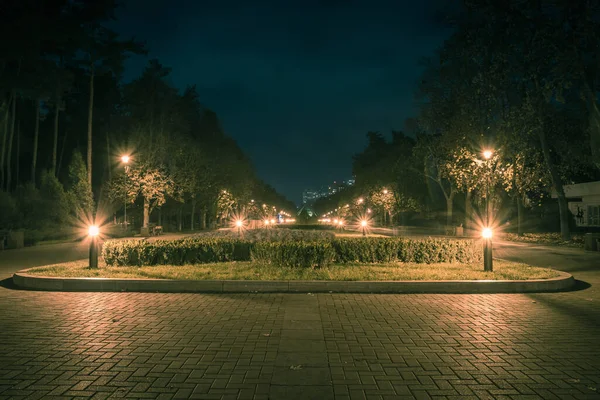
(487, 154)
(125, 160)
(93, 232)
(239, 224)
(363, 225)
(486, 233)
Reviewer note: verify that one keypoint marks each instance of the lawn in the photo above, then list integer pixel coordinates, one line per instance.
(503, 270)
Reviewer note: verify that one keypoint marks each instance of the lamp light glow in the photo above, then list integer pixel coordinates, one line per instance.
(93, 231)
(125, 159)
(488, 154)
(363, 223)
(486, 233)
(239, 223)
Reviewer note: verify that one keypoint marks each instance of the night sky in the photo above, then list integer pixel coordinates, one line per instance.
(296, 83)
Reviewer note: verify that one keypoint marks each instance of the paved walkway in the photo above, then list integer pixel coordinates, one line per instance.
(305, 346)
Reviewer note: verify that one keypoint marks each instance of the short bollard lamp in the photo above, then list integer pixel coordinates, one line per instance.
(487, 249)
(363, 225)
(239, 224)
(93, 232)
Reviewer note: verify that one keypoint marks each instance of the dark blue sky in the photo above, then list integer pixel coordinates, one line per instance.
(296, 83)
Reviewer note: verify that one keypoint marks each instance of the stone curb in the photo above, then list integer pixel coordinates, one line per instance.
(26, 281)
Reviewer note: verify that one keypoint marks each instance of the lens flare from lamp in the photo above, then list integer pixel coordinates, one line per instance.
(125, 159)
(239, 223)
(363, 223)
(488, 154)
(266, 222)
(486, 233)
(93, 231)
(341, 223)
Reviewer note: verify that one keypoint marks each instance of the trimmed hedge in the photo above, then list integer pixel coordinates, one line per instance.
(175, 252)
(292, 253)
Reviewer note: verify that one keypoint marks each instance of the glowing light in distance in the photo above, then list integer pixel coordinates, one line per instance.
(488, 154)
(335, 221)
(93, 230)
(385, 191)
(239, 223)
(369, 210)
(360, 200)
(125, 159)
(363, 222)
(272, 221)
(266, 222)
(486, 233)
(340, 223)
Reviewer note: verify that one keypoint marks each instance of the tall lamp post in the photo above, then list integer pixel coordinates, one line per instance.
(93, 232)
(487, 249)
(125, 160)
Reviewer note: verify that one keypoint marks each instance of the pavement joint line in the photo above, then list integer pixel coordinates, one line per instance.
(34, 282)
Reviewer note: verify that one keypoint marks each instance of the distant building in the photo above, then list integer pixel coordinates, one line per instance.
(584, 203)
(309, 196)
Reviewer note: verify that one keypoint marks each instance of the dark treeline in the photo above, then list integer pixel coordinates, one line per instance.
(66, 119)
(517, 78)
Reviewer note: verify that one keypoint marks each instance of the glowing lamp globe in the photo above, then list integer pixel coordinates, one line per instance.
(93, 231)
(266, 222)
(486, 233)
(125, 159)
(488, 154)
(239, 223)
(363, 223)
(341, 223)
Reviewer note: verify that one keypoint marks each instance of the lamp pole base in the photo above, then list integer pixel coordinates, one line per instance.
(487, 255)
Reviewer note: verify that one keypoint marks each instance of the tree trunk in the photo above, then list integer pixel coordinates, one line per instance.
(203, 219)
(449, 204)
(10, 141)
(146, 220)
(90, 116)
(55, 144)
(35, 140)
(108, 157)
(180, 219)
(18, 152)
(193, 214)
(468, 212)
(160, 216)
(520, 210)
(4, 137)
(62, 153)
(563, 207)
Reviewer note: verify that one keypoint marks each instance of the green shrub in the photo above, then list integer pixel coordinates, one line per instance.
(175, 252)
(291, 252)
(367, 250)
(440, 250)
(294, 254)
(383, 250)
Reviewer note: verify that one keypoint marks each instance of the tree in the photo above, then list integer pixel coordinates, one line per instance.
(79, 188)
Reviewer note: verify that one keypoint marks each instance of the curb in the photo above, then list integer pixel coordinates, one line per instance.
(26, 281)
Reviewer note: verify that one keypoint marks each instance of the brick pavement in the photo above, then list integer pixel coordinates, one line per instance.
(298, 346)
